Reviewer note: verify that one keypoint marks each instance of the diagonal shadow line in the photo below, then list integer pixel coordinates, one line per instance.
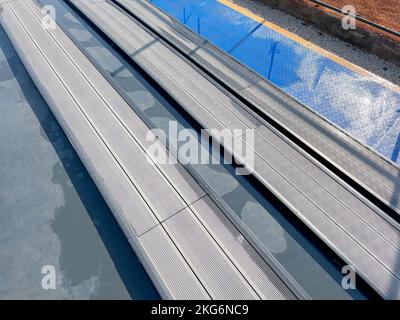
(396, 150)
(186, 19)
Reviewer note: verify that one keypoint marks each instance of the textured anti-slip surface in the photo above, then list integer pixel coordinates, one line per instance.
(362, 104)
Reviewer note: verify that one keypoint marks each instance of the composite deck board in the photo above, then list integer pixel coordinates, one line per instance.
(205, 93)
(203, 225)
(123, 199)
(195, 243)
(333, 210)
(354, 207)
(159, 195)
(137, 130)
(373, 172)
(101, 163)
(90, 112)
(159, 248)
(229, 236)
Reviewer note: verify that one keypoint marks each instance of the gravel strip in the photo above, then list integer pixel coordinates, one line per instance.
(365, 60)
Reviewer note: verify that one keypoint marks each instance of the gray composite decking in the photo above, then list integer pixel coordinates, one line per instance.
(187, 245)
(359, 232)
(378, 175)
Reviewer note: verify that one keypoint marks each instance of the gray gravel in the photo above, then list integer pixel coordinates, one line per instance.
(370, 62)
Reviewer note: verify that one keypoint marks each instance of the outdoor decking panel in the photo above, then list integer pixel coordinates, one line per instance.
(105, 132)
(204, 254)
(334, 211)
(159, 248)
(82, 85)
(241, 252)
(376, 174)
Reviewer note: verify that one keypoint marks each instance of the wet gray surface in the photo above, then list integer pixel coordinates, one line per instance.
(50, 211)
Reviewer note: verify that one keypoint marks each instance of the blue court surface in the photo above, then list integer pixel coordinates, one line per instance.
(364, 105)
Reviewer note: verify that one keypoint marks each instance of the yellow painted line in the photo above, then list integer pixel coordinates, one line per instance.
(310, 45)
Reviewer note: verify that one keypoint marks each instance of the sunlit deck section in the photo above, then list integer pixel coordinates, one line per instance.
(185, 230)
